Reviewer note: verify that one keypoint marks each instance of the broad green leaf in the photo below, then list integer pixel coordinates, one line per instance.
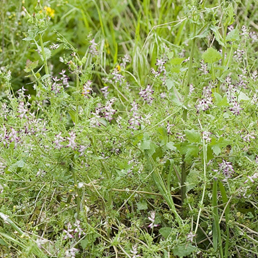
(146, 144)
(31, 35)
(47, 52)
(230, 13)
(209, 153)
(223, 102)
(170, 145)
(84, 243)
(222, 142)
(219, 101)
(20, 163)
(159, 153)
(182, 147)
(152, 149)
(102, 121)
(88, 240)
(211, 56)
(142, 205)
(192, 180)
(163, 135)
(176, 69)
(218, 97)
(72, 114)
(177, 61)
(183, 250)
(218, 36)
(216, 149)
(192, 135)
(176, 97)
(226, 115)
(233, 35)
(192, 151)
(165, 232)
(30, 65)
(121, 173)
(242, 96)
(2, 242)
(170, 83)
(170, 55)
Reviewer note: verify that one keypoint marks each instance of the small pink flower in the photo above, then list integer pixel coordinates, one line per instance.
(152, 219)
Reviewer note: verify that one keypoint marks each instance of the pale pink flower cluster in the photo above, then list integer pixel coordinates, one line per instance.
(152, 220)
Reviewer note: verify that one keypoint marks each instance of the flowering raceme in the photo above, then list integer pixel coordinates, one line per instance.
(226, 168)
(146, 94)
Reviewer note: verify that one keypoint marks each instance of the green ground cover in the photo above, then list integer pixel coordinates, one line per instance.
(128, 128)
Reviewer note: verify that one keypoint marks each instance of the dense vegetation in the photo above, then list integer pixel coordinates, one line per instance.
(128, 128)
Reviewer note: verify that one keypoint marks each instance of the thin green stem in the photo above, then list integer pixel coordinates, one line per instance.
(183, 179)
(227, 211)
(76, 187)
(186, 90)
(95, 152)
(204, 149)
(43, 54)
(216, 234)
(150, 166)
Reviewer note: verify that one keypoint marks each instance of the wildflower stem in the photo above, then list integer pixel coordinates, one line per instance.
(76, 187)
(36, 78)
(77, 103)
(183, 179)
(43, 54)
(161, 186)
(95, 152)
(189, 77)
(204, 149)
(226, 209)
(216, 236)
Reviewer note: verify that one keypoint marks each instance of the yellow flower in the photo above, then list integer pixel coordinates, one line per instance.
(118, 67)
(50, 12)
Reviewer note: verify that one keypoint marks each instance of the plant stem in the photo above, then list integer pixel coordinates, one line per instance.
(76, 186)
(204, 149)
(183, 179)
(43, 54)
(186, 90)
(150, 166)
(225, 200)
